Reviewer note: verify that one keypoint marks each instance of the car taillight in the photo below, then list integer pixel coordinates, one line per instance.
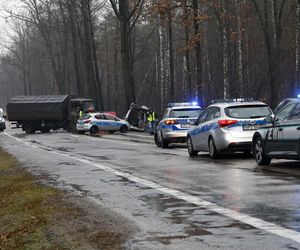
(225, 123)
(170, 122)
(87, 121)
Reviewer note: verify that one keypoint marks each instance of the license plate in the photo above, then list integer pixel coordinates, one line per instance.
(251, 127)
(185, 125)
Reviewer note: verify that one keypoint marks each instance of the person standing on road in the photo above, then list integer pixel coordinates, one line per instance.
(151, 121)
(75, 115)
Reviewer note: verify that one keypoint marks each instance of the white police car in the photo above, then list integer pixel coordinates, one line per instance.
(95, 122)
(176, 123)
(227, 125)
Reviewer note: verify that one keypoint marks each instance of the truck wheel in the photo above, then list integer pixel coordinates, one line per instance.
(94, 130)
(45, 130)
(27, 127)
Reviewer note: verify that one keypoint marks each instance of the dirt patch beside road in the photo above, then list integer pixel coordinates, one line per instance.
(35, 216)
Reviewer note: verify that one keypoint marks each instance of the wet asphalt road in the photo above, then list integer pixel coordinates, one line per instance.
(172, 200)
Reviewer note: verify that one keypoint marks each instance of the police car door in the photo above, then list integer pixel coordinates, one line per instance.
(111, 123)
(290, 133)
(197, 137)
(205, 129)
(276, 143)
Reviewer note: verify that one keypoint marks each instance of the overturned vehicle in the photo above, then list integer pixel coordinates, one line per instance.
(137, 117)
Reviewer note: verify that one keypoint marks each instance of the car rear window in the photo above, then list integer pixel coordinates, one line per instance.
(184, 113)
(245, 112)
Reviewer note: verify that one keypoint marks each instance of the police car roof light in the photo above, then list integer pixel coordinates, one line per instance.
(182, 104)
(232, 100)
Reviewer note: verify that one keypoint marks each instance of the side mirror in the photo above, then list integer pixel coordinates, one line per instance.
(193, 123)
(270, 119)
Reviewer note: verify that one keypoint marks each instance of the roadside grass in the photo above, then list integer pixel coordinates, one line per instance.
(34, 216)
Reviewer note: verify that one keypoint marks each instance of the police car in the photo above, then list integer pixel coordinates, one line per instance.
(94, 122)
(281, 138)
(227, 125)
(176, 123)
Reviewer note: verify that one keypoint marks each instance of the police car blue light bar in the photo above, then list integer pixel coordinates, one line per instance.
(232, 100)
(182, 104)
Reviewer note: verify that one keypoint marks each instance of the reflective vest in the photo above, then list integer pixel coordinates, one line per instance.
(80, 113)
(151, 117)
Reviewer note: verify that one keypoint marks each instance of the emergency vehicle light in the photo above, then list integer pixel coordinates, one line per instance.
(298, 95)
(181, 104)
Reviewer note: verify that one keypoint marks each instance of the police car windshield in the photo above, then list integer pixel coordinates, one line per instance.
(184, 113)
(246, 112)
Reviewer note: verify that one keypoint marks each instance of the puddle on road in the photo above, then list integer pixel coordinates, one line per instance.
(178, 212)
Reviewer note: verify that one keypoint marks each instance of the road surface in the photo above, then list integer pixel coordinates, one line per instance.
(173, 201)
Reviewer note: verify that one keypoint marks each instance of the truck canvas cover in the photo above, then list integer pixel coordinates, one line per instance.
(45, 107)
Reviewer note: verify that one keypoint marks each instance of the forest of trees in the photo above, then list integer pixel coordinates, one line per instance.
(152, 52)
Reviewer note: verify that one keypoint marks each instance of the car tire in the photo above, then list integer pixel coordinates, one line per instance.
(259, 153)
(164, 143)
(157, 142)
(94, 130)
(123, 129)
(190, 147)
(213, 152)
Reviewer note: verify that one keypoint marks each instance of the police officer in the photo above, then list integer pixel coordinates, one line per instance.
(75, 115)
(151, 121)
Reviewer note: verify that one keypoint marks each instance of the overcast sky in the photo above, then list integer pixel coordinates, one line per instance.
(4, 26)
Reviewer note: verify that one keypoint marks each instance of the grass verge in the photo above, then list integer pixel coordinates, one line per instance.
(34, 216)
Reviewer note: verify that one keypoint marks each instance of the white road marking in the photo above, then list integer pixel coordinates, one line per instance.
(243, 218)
(105, 139)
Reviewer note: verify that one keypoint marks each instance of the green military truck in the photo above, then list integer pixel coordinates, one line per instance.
(46, 112)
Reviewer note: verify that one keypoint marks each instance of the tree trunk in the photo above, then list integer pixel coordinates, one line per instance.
(126, 52)
(199, 86)
(225, 52)
(171, 58)
(240, 47)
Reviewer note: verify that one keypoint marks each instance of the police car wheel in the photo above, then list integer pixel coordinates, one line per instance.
(157, 142)
(213, 153)
(123, 129)
(190, 147)
(259, 153)
(94, 130)
(164, 143)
